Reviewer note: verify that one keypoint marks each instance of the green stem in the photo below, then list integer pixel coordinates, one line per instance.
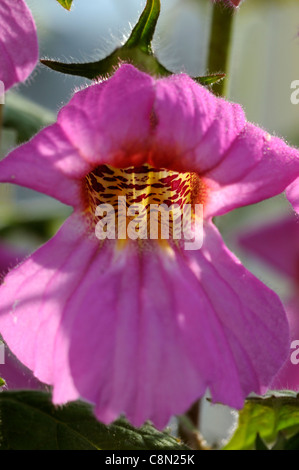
(220, 42)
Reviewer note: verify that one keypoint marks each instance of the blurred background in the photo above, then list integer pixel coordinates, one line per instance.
(264, 62)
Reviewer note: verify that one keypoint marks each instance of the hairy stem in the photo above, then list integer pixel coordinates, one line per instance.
(220, 44)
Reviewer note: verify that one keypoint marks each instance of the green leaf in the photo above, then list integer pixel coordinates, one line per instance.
(66, 4)
(25, 117)
(268, 417)
(91, 70)
(105, 67)
(292, 443)
(259, 443)
(137, 51)
(280, 442)
(210, 79)
(2, 382)
(143, 32)
(29, 421)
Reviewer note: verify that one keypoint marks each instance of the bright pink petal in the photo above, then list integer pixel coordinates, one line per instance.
(240, 163)
(154, 347)
(194, 129)
(92, 129)
(143, 333)
(292, 193)
(33, 296)
(50, 164)
(110, 122)
(251, 315)
(277, 243)
(288, 376)
(18, 42)
(257, 166)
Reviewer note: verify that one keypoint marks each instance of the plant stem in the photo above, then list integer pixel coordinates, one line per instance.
(220, 42)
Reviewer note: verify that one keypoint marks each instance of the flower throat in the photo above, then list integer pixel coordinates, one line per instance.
(145, 186)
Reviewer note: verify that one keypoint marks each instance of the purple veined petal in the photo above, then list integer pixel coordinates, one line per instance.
(71, 269)
(162, 345)
(292, 193)
(18, 42)
(277, 243)
(156, 346)
(244, 306)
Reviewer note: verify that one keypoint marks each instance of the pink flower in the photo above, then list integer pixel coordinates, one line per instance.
(15, 374)
(277, 243)
(143, 327)
(18, 42)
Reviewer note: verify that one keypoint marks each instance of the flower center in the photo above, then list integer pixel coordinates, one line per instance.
(139, 192)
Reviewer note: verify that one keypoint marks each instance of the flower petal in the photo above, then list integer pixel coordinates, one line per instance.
(92, 129)
(171, 123)
(18, 42)
(277, 244)
(111, 122)
(141, 331)
(251, 315)
(151, 349)
(194, 128)
(48, 163)
(34, 294)
(292, 193)
(257, 166)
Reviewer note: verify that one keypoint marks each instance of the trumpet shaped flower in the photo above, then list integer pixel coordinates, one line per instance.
(18, 42)
(277, 244)
(144, 327)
